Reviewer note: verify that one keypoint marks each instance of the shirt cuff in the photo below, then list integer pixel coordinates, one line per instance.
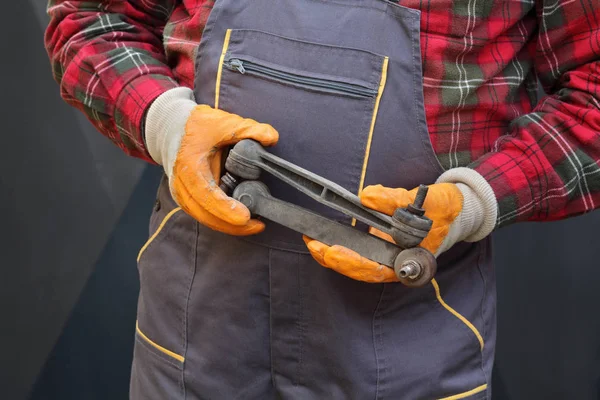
(131, 107)
(506, 175)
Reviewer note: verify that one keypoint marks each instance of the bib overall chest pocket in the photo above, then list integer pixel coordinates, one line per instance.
(322, 99)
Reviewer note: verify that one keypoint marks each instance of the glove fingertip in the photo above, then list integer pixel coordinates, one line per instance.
(255, 226)
(381, 235)
(317, 251)
(314, 246)
(269, 135)
(231, 211)
(369, 192)
(374, 194)
(370, 188)
(389, 275)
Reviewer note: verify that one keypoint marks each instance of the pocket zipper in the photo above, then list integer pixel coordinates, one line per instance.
(252, 68)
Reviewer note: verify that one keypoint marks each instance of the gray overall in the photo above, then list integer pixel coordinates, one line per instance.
(222, 317)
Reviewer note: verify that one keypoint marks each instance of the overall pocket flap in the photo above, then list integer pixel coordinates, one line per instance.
(320, 61)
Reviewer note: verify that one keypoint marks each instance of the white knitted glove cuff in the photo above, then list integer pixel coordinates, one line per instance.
(480, 207)
(165, 125)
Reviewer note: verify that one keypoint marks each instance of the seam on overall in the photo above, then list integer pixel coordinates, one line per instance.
(337, 3)
(469, 394)
(274, 246)
(481, 308)
(220, 67)
(364, 127)
(223, 90)
(465, 322)
(187, 305)
(376, 103)
(456, 314)
(181, 316)
(377, 339)
(149, 350)
(271, 322)
(171, 216)
(155, 214)
(420, 111)
(156, 346)
(207, 34)
(301, 327)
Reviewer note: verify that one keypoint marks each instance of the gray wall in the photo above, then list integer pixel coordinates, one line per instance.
(62, 189)
(75, 213)
(548, 298)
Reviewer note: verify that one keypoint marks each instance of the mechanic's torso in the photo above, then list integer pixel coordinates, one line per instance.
(477, 60)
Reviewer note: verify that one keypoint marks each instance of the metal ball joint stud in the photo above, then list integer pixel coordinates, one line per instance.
(238, 168)
(415, 266)
(416, 208)
(411, 225)
(228, 183)
(410, 269)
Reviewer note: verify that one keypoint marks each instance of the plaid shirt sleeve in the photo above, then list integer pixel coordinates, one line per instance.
(547, 167)
(109, 60)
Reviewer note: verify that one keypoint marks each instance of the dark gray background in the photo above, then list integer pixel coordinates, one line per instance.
(74, 214)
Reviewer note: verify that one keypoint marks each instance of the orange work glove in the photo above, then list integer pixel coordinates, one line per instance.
(459, 212)
(187, 140)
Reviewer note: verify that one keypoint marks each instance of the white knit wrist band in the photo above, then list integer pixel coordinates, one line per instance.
(480, 207)
(165, 125)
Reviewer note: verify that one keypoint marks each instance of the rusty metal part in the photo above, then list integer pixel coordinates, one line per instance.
(412, 266)
(229, 182)
(408, 227)
(411, 225)
(415, 267)
(409, 269)
(256, 196)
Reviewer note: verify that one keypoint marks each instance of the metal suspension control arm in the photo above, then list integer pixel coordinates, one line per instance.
(414, 266)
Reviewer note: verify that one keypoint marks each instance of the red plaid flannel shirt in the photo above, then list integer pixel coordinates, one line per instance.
(481, 61)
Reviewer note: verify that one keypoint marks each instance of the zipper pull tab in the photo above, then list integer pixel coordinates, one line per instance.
(238, 65)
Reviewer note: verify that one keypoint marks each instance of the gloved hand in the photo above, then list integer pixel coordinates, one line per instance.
(187, 140)
(462, 211)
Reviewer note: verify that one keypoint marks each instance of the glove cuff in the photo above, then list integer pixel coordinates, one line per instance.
(480, 207)
(165, 125)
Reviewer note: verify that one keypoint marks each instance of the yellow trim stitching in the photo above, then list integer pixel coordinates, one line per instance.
(220, 70)
(466, 394)
(382, 81)
(157, 346)
(457, 315)
(160, 227)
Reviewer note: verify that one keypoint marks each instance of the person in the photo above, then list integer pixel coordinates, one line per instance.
(376, 96)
